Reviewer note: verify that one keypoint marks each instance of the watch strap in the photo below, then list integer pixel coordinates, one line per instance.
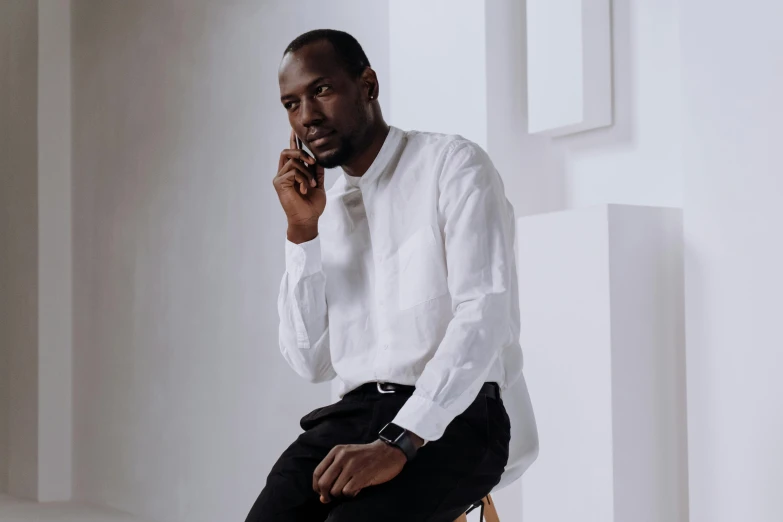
(404, 442)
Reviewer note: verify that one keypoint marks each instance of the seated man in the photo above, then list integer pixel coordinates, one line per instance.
(403, 288)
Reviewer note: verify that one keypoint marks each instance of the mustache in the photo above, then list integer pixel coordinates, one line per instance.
(315, 133)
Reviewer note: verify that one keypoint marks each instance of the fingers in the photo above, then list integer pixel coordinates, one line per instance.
(342, 480)
(351, 488)
(299, 154)
(294, 168)
(327, 480)
(319, 472)
(291, 146)
(304, 159)
(326, 474)
(294, 179)
(323, 466)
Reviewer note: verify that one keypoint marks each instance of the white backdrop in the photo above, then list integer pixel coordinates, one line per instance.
(18, 248)
(734, 255)
(178, 236)
(182, 400)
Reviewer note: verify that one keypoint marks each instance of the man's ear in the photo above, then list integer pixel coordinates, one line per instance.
(370, 83)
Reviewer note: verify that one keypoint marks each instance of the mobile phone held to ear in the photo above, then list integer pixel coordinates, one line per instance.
(300, 146)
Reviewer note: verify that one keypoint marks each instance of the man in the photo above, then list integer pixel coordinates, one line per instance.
(401, 284)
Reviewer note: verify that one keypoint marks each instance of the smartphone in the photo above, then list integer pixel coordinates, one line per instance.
(300, 146)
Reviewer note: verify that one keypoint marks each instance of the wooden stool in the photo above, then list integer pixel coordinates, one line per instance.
(488, 507)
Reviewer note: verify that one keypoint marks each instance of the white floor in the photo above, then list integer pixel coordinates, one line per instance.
(15, 510)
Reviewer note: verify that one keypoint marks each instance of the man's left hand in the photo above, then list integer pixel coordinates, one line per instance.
(350, 468)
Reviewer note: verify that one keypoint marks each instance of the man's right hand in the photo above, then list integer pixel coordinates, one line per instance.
(302, 202)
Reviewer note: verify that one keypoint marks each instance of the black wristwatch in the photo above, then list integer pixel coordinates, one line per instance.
(398, 437)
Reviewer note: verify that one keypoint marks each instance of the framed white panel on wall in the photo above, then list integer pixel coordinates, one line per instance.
(569, 65)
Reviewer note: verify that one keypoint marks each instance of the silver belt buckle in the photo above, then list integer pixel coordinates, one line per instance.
(381, 390)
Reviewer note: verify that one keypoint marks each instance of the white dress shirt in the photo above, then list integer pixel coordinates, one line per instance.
(411, 280)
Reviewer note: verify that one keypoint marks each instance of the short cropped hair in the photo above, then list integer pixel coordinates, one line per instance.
(348, 50)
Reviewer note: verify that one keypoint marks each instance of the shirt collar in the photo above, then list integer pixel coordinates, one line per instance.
(381, 161)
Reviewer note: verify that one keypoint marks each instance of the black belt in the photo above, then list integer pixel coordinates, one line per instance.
(490, 389)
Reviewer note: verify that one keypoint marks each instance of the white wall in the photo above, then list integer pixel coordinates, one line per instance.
(19, 254)
(437, 67)
(733, 78)
(533, 167)
(35, 268)
(636, 161)
(182, 400)
(604, 360)
(461, 69)
(54, 251)
(178, 236)
(5, 230)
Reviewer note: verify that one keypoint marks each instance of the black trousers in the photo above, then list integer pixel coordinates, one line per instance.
(445, 478)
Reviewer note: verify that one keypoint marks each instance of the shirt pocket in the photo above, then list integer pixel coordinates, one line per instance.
(422, 270)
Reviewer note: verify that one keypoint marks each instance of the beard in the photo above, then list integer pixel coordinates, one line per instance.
(348, 142)
(335, 158)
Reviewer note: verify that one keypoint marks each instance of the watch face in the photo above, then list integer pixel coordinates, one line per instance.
(391, 432)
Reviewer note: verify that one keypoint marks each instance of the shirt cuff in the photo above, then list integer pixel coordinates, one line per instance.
(423, 417)
(303, 259)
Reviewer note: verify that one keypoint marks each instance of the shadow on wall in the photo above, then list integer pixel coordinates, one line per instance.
(619, 135)
(533, 167)
(539, 170)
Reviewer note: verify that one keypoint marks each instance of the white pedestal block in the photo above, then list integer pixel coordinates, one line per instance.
(569, 65)
(603, 337)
